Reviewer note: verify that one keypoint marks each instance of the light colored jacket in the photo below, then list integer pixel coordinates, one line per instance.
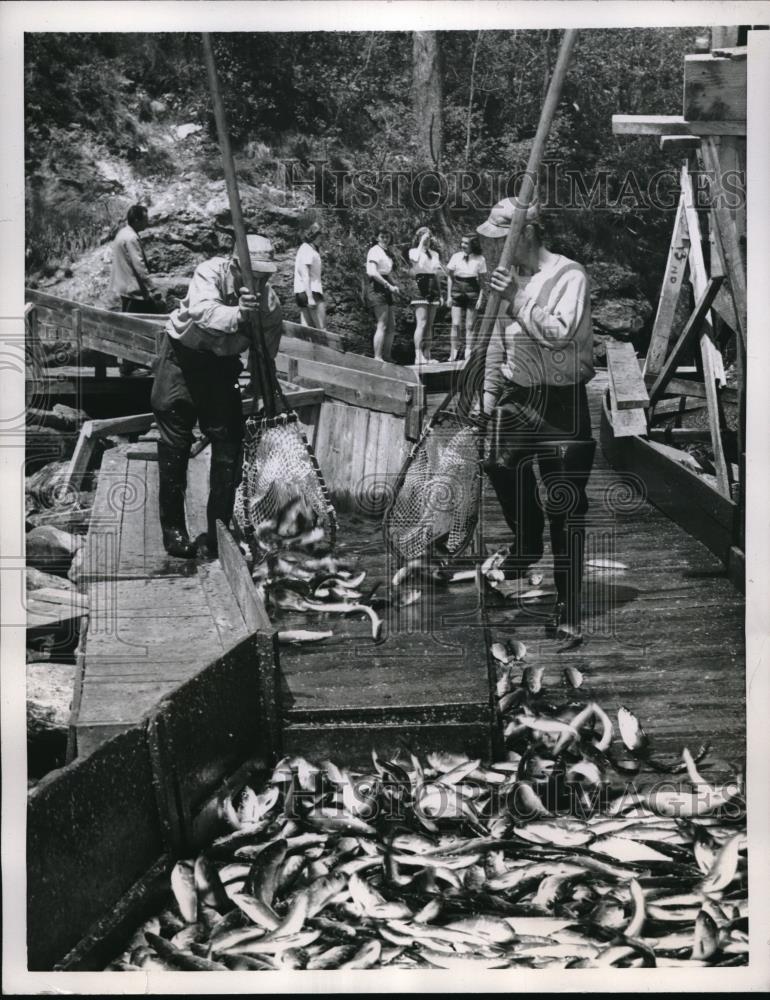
(130, 275)
(208, 317)
(549, 340)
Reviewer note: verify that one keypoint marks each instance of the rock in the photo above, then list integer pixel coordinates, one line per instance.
(49, 695)
(608, 280)
(77, 566)
(158, 107)
(71, 418)
(182, 131)
(74, 519)
(38, 580)
(50, 548)
(46, 486)
(622, 318)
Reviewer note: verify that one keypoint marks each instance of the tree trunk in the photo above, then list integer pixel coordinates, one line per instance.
(470, 99)
(427, 92)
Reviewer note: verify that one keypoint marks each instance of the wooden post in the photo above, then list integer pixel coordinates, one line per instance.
(726, 236)
(713, 368)
(673, 278)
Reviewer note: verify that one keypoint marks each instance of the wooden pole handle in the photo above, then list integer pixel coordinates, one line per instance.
(519, 220)
(259, 371)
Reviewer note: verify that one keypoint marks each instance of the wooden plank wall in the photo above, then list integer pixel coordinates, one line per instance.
(360, 453)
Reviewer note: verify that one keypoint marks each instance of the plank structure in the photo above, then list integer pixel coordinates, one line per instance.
(154, 621)
(425, 684)
(664, 637)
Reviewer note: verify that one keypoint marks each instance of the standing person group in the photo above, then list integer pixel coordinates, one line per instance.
(463, 291)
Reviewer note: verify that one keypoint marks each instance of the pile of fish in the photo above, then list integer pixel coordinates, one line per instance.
(548, 858)
(294, 571)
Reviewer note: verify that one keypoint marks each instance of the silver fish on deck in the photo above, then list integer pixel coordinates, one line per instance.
(446, 862)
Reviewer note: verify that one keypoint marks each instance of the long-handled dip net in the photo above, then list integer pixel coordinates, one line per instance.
(437, 494)
(279, 467)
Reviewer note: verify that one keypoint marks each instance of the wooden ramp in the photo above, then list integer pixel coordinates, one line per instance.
(425, 685)
(154, 622)
(664, 637)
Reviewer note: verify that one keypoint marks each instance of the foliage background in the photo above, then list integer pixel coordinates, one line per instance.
(99, 110)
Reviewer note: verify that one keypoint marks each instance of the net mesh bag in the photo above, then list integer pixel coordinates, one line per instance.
(435, 506)
(278, 468)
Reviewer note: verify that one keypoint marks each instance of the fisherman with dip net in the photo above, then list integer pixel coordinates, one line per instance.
(197, 379)
(539, 359)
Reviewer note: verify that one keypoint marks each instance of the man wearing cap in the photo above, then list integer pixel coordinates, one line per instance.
(308, 293)
(196, 378)
(539, 359)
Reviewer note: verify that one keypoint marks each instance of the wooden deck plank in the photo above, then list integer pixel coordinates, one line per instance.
(665, 637)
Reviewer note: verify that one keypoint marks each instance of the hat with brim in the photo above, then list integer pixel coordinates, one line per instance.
(260, 254)
(499, 221)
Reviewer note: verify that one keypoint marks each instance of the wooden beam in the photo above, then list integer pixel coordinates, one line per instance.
(81, 456)
(628, 423)
(258, 621)
(691, 330)
(314, 336)
(299, 349)
(711, 359)
(679, 143)
(671, 290)
(133, 424)
(626, 379)
(374, 392)
(714, 88)
(670, 435)
(673, 125)
(724, 35)
(687, 387)
(726, 236)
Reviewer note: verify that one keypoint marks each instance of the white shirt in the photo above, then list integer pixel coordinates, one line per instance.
(423, 264)
(381, 261)
(459, 267)
(307, 257)
(549, 338)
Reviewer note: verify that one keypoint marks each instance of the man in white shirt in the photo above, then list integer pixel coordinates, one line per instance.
(308, 292)
(130, 278)
(538, 363)
(196, 378)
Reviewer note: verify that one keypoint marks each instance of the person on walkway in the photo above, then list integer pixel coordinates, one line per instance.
(381, 294)
(426, 268)
(196, 378)
(130, 276)
(538, 363)
(464, 292)
(308, 292)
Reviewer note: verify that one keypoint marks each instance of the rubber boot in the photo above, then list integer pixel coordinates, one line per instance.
(566, 476)
(172, 473)
(223, 482)
(517, 493)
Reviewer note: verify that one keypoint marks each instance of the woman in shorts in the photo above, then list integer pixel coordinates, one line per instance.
(381, 294)
(464, 291)
(308, 292)
(426, 268)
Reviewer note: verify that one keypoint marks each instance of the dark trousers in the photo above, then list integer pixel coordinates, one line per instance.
(199, 386)
(549, 425)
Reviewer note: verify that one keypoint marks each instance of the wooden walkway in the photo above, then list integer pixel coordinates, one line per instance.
(664, 637)
(153, 622)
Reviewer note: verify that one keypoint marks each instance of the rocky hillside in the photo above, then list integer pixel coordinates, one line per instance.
(79, 191)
